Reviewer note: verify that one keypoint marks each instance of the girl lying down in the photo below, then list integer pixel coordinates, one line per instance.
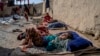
(68, 41)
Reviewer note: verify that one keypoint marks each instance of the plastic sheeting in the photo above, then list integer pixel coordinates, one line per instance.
(9, 20)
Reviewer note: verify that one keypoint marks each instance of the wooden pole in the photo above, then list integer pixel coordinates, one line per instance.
(28, 2)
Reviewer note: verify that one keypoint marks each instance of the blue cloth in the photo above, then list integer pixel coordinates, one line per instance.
(56, 25)
(75, 35)
(77, 43)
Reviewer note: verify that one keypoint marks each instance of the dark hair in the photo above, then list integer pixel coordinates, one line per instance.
(34, 33)
(36, 38)
(21, 36)
(70, 36)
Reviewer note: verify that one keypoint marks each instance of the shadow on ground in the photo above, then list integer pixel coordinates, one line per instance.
(5, 51)
(17, 52)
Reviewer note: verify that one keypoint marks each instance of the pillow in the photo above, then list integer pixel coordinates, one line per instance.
(77, 44)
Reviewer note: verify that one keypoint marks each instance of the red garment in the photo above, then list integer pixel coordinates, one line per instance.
(47, 18)
(43, 30)
(1, 6)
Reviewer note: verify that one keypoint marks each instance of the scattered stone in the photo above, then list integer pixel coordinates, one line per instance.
(17, 30)
(21, 25)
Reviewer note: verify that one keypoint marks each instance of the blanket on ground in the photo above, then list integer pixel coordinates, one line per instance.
(77, 42)
(54, 42)
(56, 25)
(37, 51)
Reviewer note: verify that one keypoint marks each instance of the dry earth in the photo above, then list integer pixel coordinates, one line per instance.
(8, 39)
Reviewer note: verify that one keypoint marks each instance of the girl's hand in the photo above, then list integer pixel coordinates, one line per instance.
(53, 41)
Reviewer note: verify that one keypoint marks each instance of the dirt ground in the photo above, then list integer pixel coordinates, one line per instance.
(8, 39)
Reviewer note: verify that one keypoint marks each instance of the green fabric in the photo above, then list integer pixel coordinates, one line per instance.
(56, 43)
(60, 44)
(50, 38)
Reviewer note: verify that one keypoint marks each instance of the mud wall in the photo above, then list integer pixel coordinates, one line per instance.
(83, 15)
(39, 8)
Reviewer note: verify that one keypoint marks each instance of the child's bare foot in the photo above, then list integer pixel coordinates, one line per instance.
(23, 48)
(29, 46)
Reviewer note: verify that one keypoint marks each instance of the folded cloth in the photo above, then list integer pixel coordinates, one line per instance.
(77, 43)
(57, 44)
(74, 34)
(56, 25)
(54, 42)
(49, 38)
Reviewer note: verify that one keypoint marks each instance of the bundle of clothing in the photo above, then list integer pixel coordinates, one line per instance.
(40, 37)
(64, 41)
(41, 30)
(53, 24)
(57, 25)
(74, 43)
(47, 18)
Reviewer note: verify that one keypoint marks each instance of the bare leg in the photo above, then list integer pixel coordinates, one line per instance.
(25, 41)
(29, 45)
